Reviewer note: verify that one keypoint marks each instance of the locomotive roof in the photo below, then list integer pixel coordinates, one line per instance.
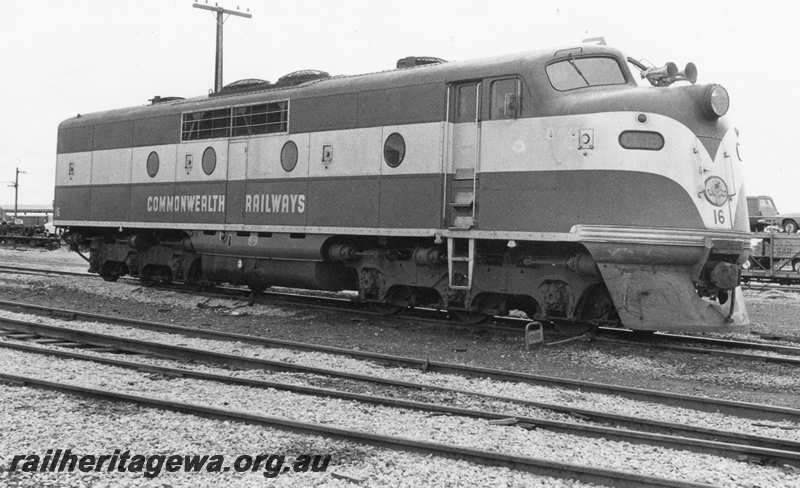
(519, 63)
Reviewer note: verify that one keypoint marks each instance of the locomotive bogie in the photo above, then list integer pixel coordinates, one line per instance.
(547, 281)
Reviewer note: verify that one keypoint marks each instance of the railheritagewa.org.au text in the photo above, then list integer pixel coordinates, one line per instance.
(153, 465)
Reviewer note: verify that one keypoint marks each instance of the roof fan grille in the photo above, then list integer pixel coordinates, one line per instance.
(301, 76)
(413, 61)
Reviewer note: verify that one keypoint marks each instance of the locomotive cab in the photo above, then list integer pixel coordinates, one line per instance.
(672, 243)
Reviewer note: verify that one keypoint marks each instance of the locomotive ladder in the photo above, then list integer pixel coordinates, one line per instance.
(462, 208)
(460, 262)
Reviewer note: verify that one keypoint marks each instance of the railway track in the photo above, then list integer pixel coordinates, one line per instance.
(784, 452)
(55, 335)
(35, 270)
(761, 351)
(742, 409)
(758, 285)
(789, 455)
(783, 354)
(535, 465)
(316, 301)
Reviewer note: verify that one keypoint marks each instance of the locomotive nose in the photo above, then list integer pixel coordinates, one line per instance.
(701, 108)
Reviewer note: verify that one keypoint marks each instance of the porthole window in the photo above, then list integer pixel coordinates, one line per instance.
(152, 164)
(209, 160)
(289, 156)
(394, 150)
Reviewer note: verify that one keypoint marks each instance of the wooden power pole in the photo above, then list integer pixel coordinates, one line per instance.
(220, 11)
(16, 193)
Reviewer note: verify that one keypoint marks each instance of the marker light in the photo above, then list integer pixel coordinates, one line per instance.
(716, 101)
(641, 139)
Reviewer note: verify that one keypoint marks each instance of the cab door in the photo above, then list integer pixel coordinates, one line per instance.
(235, 184)
(464, 148)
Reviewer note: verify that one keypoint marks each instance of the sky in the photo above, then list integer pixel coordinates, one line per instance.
(61, 58)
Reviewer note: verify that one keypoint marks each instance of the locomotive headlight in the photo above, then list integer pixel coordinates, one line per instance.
(716, 101)
(716, 191)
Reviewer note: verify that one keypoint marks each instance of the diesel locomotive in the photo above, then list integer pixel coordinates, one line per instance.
(549, 182)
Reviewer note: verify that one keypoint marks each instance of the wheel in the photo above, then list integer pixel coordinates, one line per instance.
(789, 226)
(796, 265)
(257, 288)
(110, 276)
(164, 276)
(110, 271)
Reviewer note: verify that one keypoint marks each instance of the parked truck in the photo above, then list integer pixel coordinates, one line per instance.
(764, 213)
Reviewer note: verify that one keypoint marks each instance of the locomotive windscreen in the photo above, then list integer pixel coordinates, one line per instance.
(582, 72)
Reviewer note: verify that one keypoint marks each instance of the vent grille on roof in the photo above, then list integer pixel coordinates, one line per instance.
(412, 61)
(247, 84)
(302, 76)
(159, 99)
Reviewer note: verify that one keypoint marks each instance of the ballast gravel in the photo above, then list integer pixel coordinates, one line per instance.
(563, 396)
(164, 298)
(466, 432)
(722, 372)
(33, 420)
(61, 259)
(660, 367)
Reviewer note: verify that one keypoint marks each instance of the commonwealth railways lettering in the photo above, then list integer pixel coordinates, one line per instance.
(287, 203)
(186, 203)
(275, 203)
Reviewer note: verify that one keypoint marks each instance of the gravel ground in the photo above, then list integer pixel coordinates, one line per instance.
(595, 355)
(771, 311)
(713, 369)
(632, 366)
(166, 299)
(61, 259)
(56, 420)
(649, 460)
(774, 311)
(561, 396)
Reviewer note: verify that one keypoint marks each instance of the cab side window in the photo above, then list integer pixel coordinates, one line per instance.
(467, 103)
(753, 206)
(505, 99)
